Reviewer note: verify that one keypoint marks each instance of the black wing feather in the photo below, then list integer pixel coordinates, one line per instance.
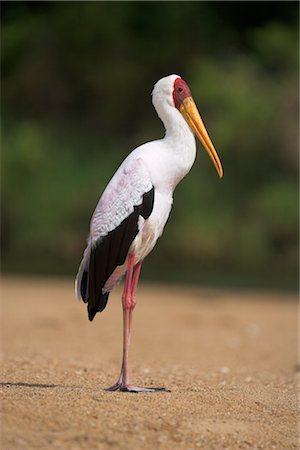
(110, 252)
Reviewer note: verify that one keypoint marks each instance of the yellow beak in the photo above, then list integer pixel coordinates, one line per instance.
(191, 115)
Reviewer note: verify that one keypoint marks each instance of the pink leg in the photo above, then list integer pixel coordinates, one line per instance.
(135, 280)
(129, 302)
(126, 302)
(134, 283)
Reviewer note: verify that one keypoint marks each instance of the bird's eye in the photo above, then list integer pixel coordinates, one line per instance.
(180, 89)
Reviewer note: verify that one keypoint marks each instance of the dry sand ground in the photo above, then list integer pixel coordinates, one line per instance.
(229, 358)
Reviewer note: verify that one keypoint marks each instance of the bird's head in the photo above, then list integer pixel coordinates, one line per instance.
(174, 91)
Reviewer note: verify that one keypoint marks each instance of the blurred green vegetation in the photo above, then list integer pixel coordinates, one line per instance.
(76, 84)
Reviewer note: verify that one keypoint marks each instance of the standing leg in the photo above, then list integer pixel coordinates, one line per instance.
(126, 302)
(129, 302)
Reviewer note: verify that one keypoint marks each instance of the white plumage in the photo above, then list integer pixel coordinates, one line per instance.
(135, 206)
(161, 163)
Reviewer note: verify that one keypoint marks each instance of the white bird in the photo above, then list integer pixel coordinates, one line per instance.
(135, 206)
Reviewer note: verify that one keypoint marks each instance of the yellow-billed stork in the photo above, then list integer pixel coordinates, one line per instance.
(134, 208)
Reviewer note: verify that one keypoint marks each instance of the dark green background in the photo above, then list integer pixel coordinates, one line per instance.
(76, 85)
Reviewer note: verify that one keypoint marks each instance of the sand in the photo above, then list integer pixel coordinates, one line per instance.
(228, 357)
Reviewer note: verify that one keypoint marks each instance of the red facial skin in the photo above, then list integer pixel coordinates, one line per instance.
(180, 92)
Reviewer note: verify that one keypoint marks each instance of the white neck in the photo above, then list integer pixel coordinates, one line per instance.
(178, 130)
(179, 140)
(175, 125)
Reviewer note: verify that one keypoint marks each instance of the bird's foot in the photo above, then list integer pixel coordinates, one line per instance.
(134, 389)
(115, 387)
(137, 389)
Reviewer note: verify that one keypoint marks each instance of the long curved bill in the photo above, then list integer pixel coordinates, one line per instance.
(191, 115)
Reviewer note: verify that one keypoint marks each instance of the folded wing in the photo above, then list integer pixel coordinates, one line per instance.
(114, 226)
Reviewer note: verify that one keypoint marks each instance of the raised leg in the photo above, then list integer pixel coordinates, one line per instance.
(129, 302)
(135, 280)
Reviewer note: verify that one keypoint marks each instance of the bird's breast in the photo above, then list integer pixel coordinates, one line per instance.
(152, 228)
(168, 161)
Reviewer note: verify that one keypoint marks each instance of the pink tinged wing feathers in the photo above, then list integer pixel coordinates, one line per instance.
(124, 191)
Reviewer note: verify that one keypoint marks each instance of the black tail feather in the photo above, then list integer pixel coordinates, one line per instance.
(84, 285)
(93, 311)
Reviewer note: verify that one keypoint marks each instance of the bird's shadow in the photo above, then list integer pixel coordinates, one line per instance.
(29, 385)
